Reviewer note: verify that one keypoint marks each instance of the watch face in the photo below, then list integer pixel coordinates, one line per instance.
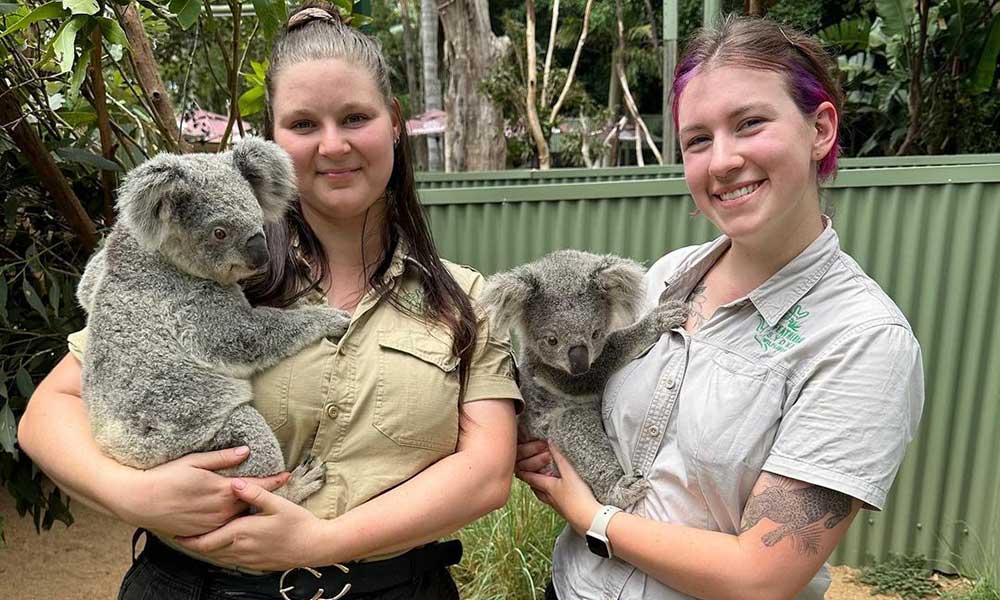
(598, 546)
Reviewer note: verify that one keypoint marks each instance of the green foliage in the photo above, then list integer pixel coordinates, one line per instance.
(508, 552)
(906, 576)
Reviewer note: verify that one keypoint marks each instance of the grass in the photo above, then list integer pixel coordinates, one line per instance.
(508, 552)
(905, 576)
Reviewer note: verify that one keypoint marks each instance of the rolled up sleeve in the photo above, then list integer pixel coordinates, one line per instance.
(493, 373)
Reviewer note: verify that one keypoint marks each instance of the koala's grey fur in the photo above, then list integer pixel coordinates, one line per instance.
(575, 315)
(172, 341)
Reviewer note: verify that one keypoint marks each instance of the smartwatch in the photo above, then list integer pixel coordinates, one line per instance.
(597, 535)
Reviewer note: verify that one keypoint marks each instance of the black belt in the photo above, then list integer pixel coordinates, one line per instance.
(306, 583)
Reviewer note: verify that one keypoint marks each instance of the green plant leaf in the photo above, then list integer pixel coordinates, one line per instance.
(55, 294)
(24, 383)
(3, 298)
(86, 157)
(79, 117)
(34, 300)
(113, 32)
(187, 11)
(345, 6)
(850, 34)
(8, 430)
(267, 16)
(81, 7)
(982, 79)
(252, 101)
(897, 17)
(51, 10)
(64, 42)
(6, 9)
(79, 74)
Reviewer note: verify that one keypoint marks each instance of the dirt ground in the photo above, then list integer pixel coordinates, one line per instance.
(87, 561)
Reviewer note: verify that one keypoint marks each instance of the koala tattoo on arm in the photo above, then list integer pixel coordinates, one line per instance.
(575, 315)
(172, 340)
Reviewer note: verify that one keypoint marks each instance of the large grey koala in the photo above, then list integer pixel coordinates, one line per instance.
(172, 340)
(575, 316)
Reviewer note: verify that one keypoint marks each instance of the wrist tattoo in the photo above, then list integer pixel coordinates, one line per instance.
(798, 512)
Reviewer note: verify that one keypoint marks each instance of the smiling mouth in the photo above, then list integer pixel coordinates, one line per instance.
(739, 193)
(339, 173)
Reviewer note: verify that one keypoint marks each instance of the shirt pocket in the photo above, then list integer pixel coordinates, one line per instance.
(738, 414)
(270, 393)
(416, 402)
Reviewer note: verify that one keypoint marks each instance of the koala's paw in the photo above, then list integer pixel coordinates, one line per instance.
(306, 480)
(627, 491)
(668, 315)
(334, 322)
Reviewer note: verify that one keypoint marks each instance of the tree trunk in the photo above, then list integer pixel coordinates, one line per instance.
(537, 135)
(409, 50)
(475, 137)
(916, 97)
(432, 85)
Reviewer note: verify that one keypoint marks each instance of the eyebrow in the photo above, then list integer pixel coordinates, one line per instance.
(348, 107)
(738, 112)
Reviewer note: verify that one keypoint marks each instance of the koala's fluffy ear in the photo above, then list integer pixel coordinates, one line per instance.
(620, 279)
(269, 170)
(505, 295)
(149, 195)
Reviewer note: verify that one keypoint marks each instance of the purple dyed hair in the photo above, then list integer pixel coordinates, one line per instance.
(762, 44)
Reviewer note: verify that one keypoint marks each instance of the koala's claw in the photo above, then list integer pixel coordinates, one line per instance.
(669, 315)
(626, 491)
(306, 480)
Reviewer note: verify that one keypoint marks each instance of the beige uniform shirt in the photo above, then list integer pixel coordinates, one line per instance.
(380, 405)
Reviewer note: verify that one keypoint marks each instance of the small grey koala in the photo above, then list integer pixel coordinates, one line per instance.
(575, 315)
(172, 341)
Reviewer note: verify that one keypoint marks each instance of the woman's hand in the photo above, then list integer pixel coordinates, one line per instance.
(278, 536)
(185, 496)
(566, 493)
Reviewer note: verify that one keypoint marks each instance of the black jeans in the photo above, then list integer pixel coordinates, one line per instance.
(151, 579)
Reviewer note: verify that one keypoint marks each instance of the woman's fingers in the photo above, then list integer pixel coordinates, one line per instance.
(534, 464)
(531, 448)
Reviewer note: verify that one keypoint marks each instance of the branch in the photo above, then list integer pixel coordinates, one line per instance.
(544, 159)
(630, 104)
(234, 78)
(103, 123)
(572, 67)
(26, 138)
(916, 82)
(149, 75)
(548, 53)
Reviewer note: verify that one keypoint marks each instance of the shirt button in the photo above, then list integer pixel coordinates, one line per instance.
(670, 383)
(331, 411)
(653, 429)
(637, 473)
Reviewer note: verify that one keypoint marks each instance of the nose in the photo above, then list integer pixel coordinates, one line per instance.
(579, 359)
(257, 251)
(726, 160)
(333, 142)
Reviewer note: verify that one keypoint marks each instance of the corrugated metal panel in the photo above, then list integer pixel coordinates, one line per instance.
(929, 235)
(522, 177)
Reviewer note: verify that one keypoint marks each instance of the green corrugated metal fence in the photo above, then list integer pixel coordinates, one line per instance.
(930, 235)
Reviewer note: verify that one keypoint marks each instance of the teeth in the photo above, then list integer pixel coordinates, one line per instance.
(740, 192)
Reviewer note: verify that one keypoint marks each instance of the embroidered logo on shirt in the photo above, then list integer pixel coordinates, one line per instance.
(785, 334)
(412, 300)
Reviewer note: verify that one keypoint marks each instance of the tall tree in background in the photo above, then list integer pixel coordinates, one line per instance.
(475, 132)
(410, 52)
(431, 83)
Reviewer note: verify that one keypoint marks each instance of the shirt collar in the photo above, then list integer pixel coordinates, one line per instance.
(781, 291)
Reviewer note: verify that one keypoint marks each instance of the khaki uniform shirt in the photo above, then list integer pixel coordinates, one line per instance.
(380, 405)
(815, 375)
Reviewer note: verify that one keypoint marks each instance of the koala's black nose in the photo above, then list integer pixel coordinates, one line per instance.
(579, 359)
(257, 251)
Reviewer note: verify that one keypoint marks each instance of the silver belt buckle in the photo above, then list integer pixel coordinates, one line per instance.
(319, 593)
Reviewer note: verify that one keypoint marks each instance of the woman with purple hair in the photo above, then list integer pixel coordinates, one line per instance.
(785, 403)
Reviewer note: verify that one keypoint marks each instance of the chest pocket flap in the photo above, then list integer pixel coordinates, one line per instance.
(421, 345)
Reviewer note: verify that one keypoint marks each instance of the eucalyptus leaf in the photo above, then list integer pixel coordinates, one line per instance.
(82, 7)
(86, 157)
(52, 10)
(64, 42)
(34, 300)
(8, 430)
(24, 383)
(112, 31)
(79, 74)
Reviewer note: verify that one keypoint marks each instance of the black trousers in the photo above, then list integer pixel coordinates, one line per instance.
(159, 576)
(550, 592)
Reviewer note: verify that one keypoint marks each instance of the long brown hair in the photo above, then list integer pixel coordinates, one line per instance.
(315, 31)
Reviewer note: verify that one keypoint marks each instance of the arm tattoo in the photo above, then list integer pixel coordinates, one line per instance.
(799, 512)
(696, 305)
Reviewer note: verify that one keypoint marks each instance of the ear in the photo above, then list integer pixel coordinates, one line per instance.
(505, 295)
(620, 280)
(826, 125)
(150, 195)
(269, 170)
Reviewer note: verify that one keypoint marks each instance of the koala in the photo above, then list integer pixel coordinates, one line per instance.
(575, 316)
(172, 341)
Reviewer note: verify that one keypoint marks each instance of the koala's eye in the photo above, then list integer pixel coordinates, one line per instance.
(551, 340)
(596, 334)
(219, 233)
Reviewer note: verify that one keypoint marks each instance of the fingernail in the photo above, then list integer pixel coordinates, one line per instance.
(242, 450)
(239, 484)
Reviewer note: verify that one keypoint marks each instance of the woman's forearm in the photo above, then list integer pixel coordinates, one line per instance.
(441, 499)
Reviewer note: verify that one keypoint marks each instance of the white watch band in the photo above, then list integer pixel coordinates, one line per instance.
(599, 526)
